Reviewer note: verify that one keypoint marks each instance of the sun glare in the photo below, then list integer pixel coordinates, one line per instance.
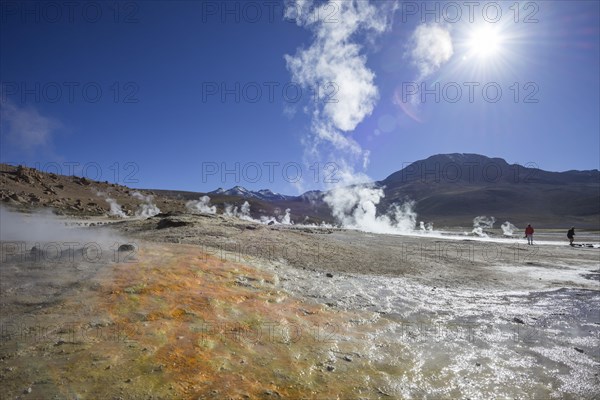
(485, 42)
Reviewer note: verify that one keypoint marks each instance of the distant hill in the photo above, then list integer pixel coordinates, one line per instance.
(454, 188)
(448, 190)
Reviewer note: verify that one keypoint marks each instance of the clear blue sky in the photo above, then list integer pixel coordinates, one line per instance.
(161, 67)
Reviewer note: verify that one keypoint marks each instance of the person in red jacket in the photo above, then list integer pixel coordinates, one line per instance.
(529, 234)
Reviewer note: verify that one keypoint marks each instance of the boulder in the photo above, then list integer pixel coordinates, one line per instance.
(126, 247)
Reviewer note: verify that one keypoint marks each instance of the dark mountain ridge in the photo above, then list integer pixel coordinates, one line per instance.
(447, 189)
(452, 187)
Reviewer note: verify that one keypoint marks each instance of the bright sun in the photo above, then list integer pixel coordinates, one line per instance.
(485, 42)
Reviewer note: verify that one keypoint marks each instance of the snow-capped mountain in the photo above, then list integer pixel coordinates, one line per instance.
(240, 191)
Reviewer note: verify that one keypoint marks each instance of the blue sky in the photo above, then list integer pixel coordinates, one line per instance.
(178, 102)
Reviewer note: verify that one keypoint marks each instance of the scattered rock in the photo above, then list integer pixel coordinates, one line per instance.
(27, 391)
(272, 393)
(17, 198)
(82, 181)
(126, 247)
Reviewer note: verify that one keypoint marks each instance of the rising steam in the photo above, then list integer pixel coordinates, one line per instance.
(426, 227)
(43, 226)
(147, 209)
(286, 219)
(336, 63)
(242, 213)
(508, 229)
(115, 208)
(355, 207)
(202, 206)
(277, 219)
(480, 223)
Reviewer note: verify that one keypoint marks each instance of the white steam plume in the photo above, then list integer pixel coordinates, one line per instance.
(147, 209)
(245, 210)
(286, 219)
(278, 219)
(202, 206)
(242, 213)
(482, 222)
(230, 210)
(426, 227)
(115, 208)
(336, 66)
(508, 229)
(355, 207)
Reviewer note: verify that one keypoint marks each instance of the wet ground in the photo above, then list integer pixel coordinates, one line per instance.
(220, 308)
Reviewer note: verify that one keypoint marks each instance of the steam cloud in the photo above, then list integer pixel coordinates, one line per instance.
(43, 226)
(202, 205)
(482, 222)
(147, 209)
(426, 227)
(335, 65)
(508, 229)
(115, 208)
(355, 207)
(242, 213)
(286, 219)
(278, 219)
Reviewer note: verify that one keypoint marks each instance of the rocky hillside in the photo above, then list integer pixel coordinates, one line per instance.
(27, 189)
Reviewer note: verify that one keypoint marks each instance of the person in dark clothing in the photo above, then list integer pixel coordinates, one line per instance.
(529, 234)
(571, 235)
